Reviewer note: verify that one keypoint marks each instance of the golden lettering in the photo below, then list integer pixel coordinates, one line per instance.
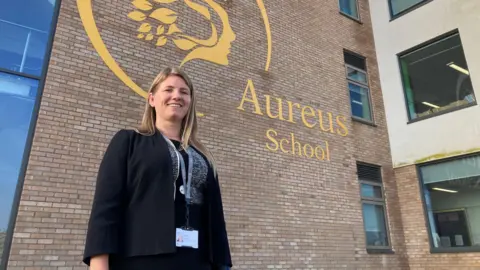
(279, 105)
(305, 150)
(299, 149)
(281, 145)
(294, 143)
(342, 131)
(272, 140)
(253, 100)
(330, 120)
(316, 153)
(290, 110)
(310, 112)
(327, 150)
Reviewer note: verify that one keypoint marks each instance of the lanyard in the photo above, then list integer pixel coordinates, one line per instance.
(187, 178)
(187, 183)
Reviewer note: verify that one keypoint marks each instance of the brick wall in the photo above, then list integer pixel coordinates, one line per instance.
(416, 233)
(282, 211)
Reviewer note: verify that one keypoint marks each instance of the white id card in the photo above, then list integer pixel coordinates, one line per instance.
(186, 238)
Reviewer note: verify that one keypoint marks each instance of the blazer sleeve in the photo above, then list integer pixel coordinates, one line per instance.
(220, 248)
(107, 208)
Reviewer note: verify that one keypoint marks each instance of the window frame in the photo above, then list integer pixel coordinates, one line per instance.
(375, 201)
(424, 44)
(365, 84)
(348, 15)
(421, 186)
(4, 257)
(405, 11)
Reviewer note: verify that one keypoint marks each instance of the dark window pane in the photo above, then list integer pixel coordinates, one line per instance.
(17, 99)
(369, 173)
(349, 7)
(370, 191)
(398, 6)
(356, 75)
(375, 225)
(360, 102)
(453, 206)
(355, 61)
(436, 78)
(24, 34)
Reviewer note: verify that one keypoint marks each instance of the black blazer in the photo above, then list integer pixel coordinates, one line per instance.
(133, 206)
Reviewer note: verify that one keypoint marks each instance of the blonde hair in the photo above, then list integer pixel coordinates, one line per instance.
(189, 123)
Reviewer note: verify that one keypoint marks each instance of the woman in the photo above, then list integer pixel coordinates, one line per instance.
(157, 202)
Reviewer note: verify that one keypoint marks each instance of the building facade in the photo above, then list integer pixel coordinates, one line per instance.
(427, 56)
(290, 104)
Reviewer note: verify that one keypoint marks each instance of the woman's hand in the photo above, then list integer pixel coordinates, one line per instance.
(99, 262)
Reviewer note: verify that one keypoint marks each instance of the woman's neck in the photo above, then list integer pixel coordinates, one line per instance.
(170, 130)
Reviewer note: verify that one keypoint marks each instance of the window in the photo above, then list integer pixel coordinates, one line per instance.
(349, 8)
(358, 85)
(373, 207)
(451, 192)
(25, 32)
(24, 39)
(436, 78)
(397, 7)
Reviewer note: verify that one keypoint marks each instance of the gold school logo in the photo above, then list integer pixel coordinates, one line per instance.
(215, 49)
(157, 23)
(162, 28)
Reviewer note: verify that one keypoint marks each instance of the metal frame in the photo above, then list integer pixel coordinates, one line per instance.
(31, 131)
(375, 201)
(361, 84)
(416, 48)
(421, 185)
(359, 19)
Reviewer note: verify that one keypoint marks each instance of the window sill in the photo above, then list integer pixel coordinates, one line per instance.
(363, 121)
(408, 10)
(455, 250)
(351, 17)
(380, 251)
(442, 112)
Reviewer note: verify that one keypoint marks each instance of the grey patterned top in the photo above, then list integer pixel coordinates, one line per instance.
(199, 172)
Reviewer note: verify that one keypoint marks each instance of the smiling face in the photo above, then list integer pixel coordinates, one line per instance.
(171, 100)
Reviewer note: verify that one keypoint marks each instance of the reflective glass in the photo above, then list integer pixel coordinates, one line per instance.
(356, 75)
(375, 227)
(452, 198)
(360, 102)
(24, 28)
(370, 191)
(17, 99)
(436, 78)
(398, 6)
(349, 7)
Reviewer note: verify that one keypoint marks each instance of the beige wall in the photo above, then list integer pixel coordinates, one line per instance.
(441, 136)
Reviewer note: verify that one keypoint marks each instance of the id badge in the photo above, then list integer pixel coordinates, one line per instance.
(187, 238)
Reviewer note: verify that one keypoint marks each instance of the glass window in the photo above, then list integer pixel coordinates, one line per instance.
(373, 207)
(25, 32)
(350, 8)
(358, 86)
(452, 197)
(399, 6)
(17, 99)
(436, 78)
(375, 227)
(25, 27)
